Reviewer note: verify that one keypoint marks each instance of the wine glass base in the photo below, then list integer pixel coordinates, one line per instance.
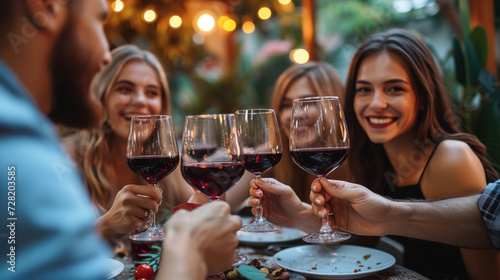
(240, 259)
(148, 236)
(327, 238)
(260, 227)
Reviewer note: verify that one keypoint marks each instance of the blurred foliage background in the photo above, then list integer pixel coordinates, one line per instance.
(235, 67)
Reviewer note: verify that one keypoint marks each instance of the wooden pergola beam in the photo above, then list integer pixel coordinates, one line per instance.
(309, 28)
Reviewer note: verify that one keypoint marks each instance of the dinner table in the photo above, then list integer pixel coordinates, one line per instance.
(395, 272)
(264, 247)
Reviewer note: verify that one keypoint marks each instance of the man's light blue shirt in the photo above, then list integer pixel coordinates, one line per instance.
(53, 235)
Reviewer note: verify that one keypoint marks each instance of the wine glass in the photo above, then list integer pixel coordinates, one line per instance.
(262, 149)
(319, 143)
(152, 153)
(212, 158)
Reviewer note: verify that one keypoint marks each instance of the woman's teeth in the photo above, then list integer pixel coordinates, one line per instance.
(380, 120)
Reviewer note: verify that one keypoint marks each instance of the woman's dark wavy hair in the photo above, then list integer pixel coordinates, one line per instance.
(436, 119)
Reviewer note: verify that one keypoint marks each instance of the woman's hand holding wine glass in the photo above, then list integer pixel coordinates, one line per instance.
(319, 143)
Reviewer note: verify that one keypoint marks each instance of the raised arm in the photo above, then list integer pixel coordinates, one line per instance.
(455, 221)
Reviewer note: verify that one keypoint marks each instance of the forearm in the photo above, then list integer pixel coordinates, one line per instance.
(455, 221)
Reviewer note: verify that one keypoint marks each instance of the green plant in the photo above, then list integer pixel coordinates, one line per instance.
(152, 258)
(477, 102)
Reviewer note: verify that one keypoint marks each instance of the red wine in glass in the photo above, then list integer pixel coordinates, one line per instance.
(212, 179)
(152, 168)
(260, 163)
(319, 161)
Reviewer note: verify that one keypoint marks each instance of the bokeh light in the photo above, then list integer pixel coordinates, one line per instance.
(175, 21)
(229, 25)
(264, 13)
(206, 22)
(248, 27)
(149, 15)
(285, 2)
(117, 6)
(222, 20)
(299, 56)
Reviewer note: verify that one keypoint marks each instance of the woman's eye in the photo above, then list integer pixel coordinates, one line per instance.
(395, 89)
(363, 90)
(153, 93)
(124, 89)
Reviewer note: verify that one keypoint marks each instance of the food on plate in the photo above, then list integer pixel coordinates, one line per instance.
(256, 271)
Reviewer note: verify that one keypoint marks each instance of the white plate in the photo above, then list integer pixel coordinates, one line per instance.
(264, 238)
(114, 267)
(321, 262)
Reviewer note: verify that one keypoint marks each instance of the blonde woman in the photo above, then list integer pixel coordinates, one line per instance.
(134, 83)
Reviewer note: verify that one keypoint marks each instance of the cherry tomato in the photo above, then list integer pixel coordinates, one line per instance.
(144, 271)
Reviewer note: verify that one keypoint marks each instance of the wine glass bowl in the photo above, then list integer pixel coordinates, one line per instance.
(212, 159)
(262, 149)
(152, 154)
(319, 143)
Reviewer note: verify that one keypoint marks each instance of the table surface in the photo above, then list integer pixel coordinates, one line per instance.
(396, 272)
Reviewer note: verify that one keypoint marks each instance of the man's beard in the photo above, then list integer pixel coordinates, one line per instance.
(72, 73)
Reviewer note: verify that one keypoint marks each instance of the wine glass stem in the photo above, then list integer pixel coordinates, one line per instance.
(152, 224)
(325, 225)
(258, 210)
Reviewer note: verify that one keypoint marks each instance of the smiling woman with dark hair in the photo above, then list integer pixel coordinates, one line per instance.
(408, 145)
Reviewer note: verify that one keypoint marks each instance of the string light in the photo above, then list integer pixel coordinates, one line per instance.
(285, 2)
(149, 16)
(205, 22)
(264, 13)
(299, 56)
(175, 21)
(229, 25)
(117, 6)
(248, 27)
(222, 20)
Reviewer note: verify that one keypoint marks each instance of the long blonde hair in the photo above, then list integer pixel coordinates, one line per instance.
(92, 150)
(325, 81)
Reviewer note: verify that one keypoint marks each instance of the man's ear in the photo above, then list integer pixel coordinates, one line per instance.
(47, 15)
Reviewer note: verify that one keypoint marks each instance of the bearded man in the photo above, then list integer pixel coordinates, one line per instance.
(49, 53)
